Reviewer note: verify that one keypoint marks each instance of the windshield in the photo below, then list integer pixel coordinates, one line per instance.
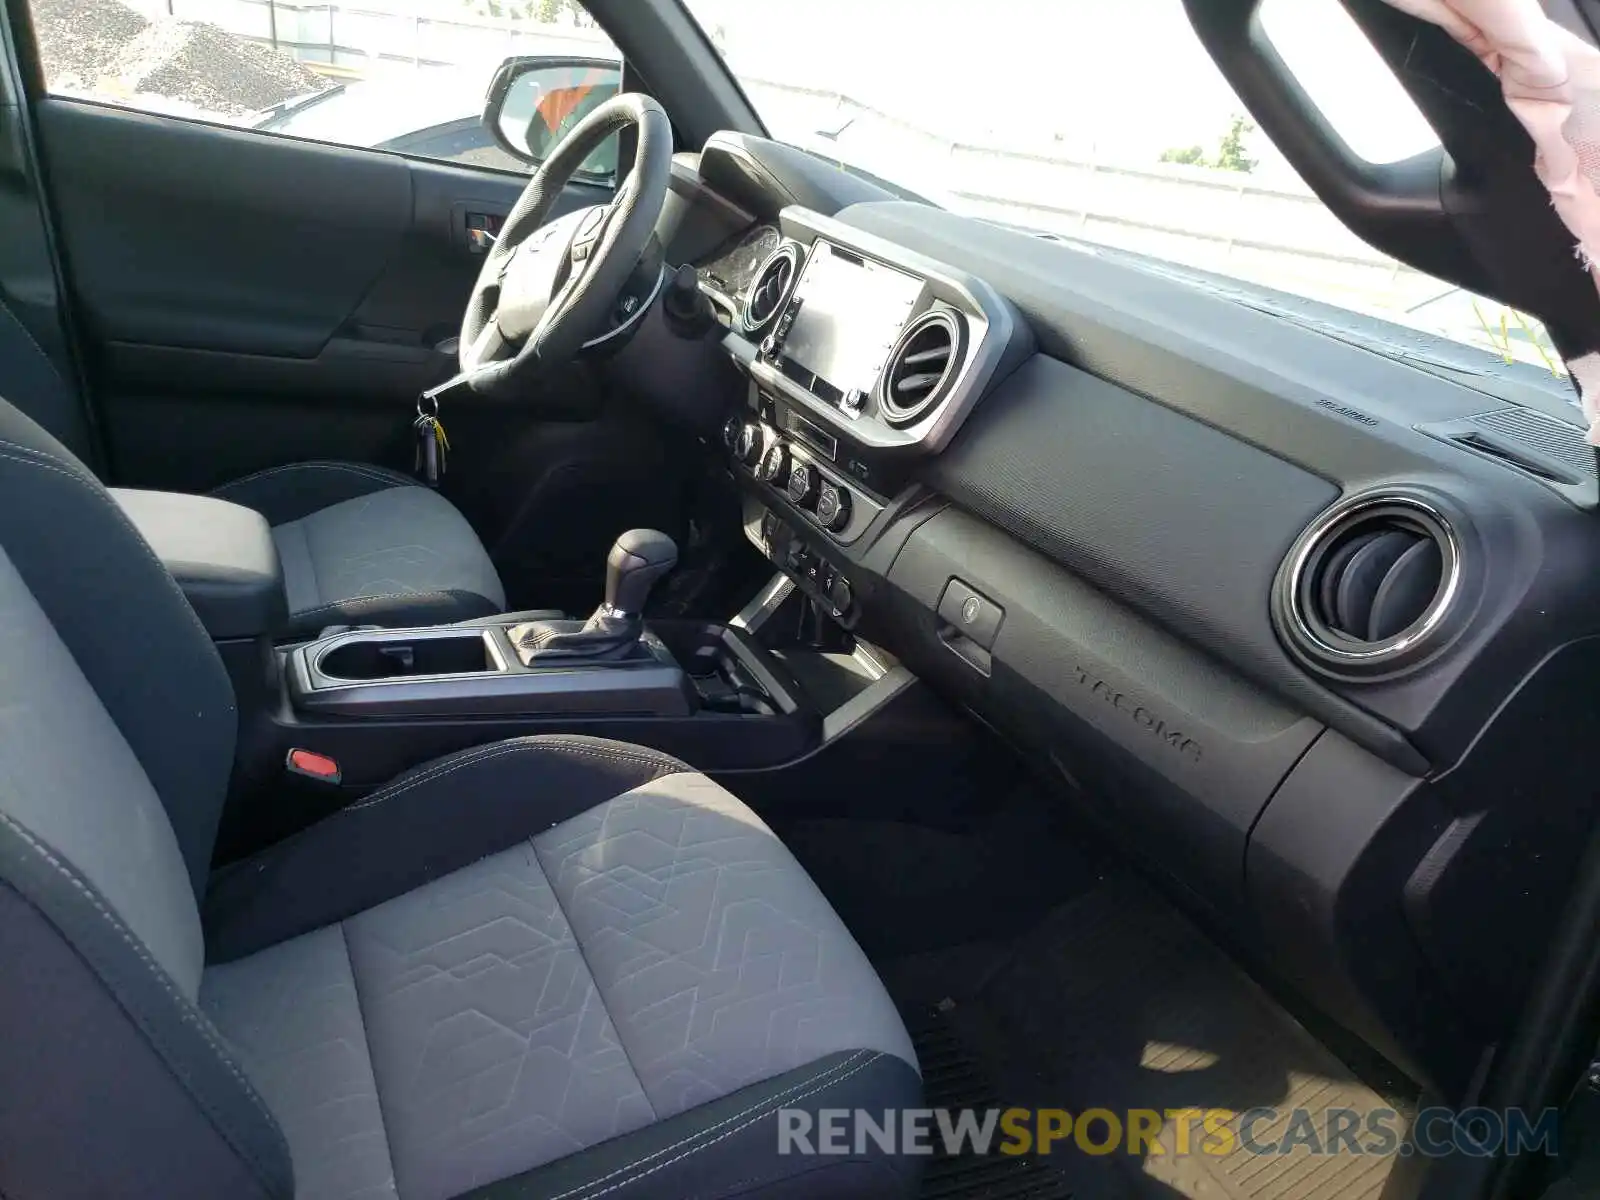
(1108, 123)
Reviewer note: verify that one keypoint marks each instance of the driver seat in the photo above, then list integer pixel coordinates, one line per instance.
(363, 545)
(360, 544)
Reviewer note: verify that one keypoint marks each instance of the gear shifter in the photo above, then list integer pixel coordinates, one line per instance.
(638, 558)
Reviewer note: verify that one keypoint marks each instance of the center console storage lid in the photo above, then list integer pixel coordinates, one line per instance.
(221, 554)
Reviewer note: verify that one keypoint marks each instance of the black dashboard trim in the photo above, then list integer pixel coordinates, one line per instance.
(997, 339)
(1048, 458)
(1275, 384)
(1329, 406)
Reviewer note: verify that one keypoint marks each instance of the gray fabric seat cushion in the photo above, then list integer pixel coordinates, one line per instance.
(625, 967)
(360, 544)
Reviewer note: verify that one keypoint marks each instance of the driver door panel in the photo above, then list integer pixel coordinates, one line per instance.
(249, 299)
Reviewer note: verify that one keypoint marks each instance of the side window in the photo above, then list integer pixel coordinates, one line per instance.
(1356, 93)
(409, 76)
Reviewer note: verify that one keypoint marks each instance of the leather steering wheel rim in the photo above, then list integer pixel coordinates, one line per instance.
(491, 359)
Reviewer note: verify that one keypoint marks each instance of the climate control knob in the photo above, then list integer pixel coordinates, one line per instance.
(802, 486)
(775, 465)
(730, 431)
(748, 444)
(833, 507)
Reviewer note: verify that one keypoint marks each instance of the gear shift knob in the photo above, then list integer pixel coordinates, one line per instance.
(637, 559)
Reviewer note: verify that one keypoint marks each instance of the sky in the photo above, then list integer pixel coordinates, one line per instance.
(1125, 79)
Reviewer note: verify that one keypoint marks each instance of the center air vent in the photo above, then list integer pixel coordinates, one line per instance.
(922, 365)
(1368, 586)
(771, 287)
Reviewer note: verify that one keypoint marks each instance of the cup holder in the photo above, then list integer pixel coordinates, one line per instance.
(405, 658)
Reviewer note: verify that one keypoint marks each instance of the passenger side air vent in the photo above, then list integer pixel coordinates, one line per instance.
(771, 288)
(922, 365)
(1367, 589)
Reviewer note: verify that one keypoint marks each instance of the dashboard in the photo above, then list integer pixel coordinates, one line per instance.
(1284, 616)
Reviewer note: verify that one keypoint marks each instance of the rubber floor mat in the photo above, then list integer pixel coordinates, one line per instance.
(953, 1079)
(1118, 1002)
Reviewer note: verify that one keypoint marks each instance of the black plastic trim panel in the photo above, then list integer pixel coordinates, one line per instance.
(1246, 395)
(1165, 514)
(1186, 752)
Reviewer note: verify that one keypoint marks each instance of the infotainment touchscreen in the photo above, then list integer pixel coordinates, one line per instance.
(850, 312)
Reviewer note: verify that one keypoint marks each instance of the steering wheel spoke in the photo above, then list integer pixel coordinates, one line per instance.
(486, 348)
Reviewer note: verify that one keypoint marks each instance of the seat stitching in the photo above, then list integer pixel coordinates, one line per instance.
(449, 595)
(583, 957)
(763, 1110)
(372, 1060)
(430, 773)
(663, 764)
(824, 1077)
(439, 770)
(186, 1010)
(365, 472)
(519, 745)
(642, 755)
(28, 456)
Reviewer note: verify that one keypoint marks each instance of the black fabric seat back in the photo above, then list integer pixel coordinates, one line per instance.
(117, 727)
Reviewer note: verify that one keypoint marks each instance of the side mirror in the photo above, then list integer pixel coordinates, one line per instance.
(534, 101)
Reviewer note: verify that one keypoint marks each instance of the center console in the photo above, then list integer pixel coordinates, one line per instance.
(540, 666)
(861, 358)
(445, 672)
(364, 705)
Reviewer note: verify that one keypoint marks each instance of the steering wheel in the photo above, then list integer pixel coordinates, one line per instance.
(547, 290)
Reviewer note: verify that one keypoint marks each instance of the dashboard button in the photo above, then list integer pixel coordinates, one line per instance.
(775, 465)
(802, 486)
(730, 431)
(833, 507)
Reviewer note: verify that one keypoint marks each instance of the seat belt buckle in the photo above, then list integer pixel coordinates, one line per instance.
(308, 764)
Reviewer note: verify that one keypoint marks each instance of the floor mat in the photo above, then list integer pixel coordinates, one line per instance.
(953, 1079)
(1116, 1001)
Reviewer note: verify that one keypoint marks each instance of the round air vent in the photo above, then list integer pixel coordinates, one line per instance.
(771, 287)
(1369, 584)
(922, 365)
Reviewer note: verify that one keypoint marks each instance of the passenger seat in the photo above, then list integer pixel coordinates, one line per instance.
(548, 967)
